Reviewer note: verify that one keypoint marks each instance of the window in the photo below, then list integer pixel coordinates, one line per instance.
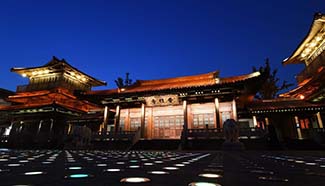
(203, 120)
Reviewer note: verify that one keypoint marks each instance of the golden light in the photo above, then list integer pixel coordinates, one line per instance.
(83, 79)
(313, 44)
(34, 73)
(301, 96)
(135, 180)
(318, 38)
(72, 73)
(210, 175)
(24, 75)
(307, 50)
(78, 76)
(47, 71)
(122, 89)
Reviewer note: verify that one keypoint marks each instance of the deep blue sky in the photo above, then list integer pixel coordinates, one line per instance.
(152, 39)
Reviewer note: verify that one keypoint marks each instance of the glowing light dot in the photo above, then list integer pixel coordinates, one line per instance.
(134, 166)
(135, 180)
(33, 173)
(101, 165)
(209, 175)
(170, 168)
(112, 170)
(78, 176)
(299, 161)
(14, 165)
(301, 96)
(158, 172)
(203, 184)
(74, 168)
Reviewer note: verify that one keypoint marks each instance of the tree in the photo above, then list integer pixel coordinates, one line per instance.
(121, 83)
(270, 88)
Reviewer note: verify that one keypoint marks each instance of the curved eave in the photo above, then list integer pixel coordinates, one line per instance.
(316, 26)
(138, 88)
(54, 62)
(94, 81)
(241, 78)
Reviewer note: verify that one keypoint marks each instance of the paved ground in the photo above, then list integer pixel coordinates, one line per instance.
(108, 168)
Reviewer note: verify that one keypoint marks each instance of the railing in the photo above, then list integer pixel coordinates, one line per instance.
(217, 133)
(205, 133)
(120, 135)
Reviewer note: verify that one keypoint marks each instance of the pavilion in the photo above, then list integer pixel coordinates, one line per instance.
(300, 112)
(40, 111)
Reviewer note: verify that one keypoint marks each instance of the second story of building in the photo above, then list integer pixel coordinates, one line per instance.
(311, 51)
(56, 74)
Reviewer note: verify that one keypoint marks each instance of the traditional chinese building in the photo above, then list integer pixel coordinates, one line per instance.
(164, 108)
(300, 112)
(40, 111)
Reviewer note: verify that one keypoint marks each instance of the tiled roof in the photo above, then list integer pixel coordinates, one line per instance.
(201, 80)
(56, 96)
(317, 26)
(308, 87)
(281, 103)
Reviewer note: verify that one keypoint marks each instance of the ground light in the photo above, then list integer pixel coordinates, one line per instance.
(74, 168)
(203, 184)
(112, 170)
(34, 173)
(134, 166)
(135, 180)
(210, 175)
(14, 165)
(170, 168)
(158, 172)
(78, 176)
(46, 162)
(101, 165)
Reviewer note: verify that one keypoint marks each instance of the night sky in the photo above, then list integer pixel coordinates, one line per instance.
(152, 39)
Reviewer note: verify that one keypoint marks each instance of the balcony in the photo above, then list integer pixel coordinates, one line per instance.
(217, 133)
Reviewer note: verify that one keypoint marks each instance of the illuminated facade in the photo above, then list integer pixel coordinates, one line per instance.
(40, 111)
(164, 108)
